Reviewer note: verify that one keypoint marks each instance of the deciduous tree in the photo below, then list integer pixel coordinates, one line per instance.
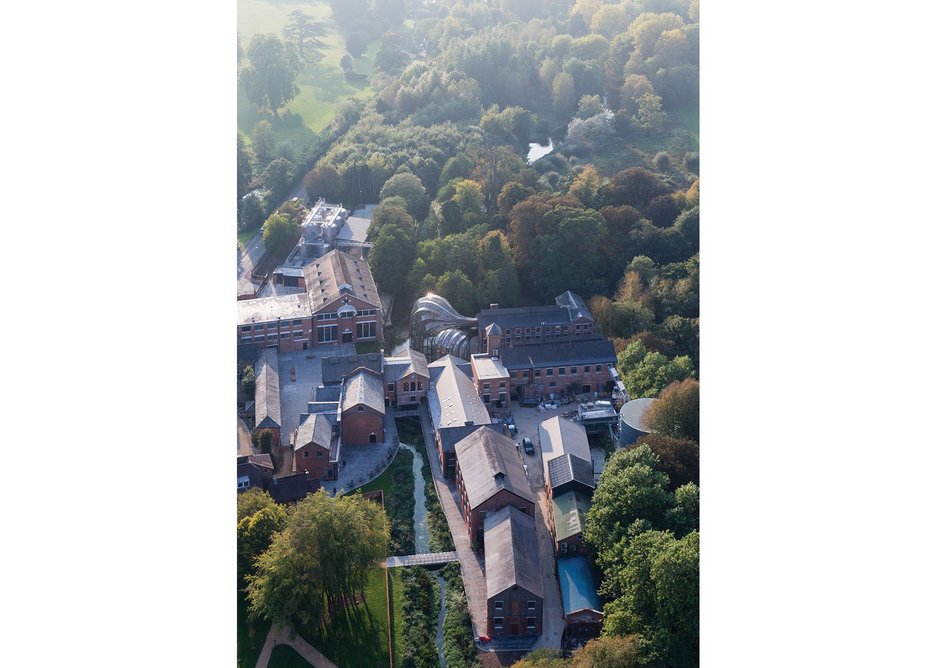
(268, 81)
(391, 258)
(410, 188)
(676, 411)
(280, 233)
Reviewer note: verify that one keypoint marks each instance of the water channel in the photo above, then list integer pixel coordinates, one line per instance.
(421, 538)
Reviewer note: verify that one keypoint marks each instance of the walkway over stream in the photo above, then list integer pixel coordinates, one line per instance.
(428, 559)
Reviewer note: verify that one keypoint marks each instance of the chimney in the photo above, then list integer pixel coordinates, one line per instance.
(469, 423)
(492, 306)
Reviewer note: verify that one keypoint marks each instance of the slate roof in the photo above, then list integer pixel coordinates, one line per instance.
(317, 429)
(569, 468)
(560, 353)
(560, 436)
(512, 555)
(413, 361)
(449, 436)
(267, 391)
(261, 461)
(524, 316)
(489, 462)
(363, 387)
(569, 513)
(577, 585)
(327, 393)
(453, 398)
(326, 276)
(336, 367)
(574, 304)
(289, 488)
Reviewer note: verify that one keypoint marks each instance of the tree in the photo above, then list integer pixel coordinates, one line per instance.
(280, 232)
(512, 194)
(678, 458)
(324, 554)
(676, 411)
(248, 381)
(410, 188)
(244, 170)
(684, 516)
(459, 166)
(662, 210)
(589, 106)
(346, 63)
(390, 212)
(635, 186)
(274, 66)
(649, 114)
(305, 31)
(254, 535)
(323, 181)
(251, 501)
(458, 289)
(635, 86)
(656, 585)
(277, 178)
(252, 212)
(629, 489)
(687, 224)
(564, 93)
(391, 57)
(646, 30)
(609, 651)
(610, 20)
(262, 140)
(585, 187)
(646, 373)
(356, 44)
(391, 258)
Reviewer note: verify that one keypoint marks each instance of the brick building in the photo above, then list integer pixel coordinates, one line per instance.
(513, 575)
(340, 302)
(568, 521)
(267, 394)
(362, 408)
(454, 406)
(546, 349)
(406, 379)
(569, 481)
(316, 447)
(582, 608)
(489, 475)
(254, 471)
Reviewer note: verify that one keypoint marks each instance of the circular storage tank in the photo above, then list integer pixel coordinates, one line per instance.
(631, 421)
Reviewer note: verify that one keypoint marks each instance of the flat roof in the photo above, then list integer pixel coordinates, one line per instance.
(559, 436)
(355, 229)
(577, 585)
(269, 309)
(632, 413)
(488, 368)
(569, 513)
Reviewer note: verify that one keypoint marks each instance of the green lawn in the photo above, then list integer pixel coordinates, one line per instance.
(357, 636)
(321, 85)
(284, 656)
(251, 635)
(246, 235)
(396, 613)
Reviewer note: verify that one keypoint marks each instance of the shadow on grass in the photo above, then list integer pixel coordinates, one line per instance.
(356, 636)
(284, 656)
(251, 635)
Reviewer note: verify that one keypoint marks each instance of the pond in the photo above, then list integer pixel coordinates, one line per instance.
(537, 151)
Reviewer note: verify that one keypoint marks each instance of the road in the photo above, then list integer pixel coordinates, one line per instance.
(254, 249)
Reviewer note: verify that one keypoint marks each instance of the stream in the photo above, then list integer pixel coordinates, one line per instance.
(421, 538)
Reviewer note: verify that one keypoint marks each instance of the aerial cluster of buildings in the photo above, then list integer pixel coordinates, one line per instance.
(524, 353)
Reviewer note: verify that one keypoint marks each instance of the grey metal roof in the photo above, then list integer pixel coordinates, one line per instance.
(325, 276)
(632, 413)
(569, 468)
(355, 229)
(316, 429)
(524, 316)
(449, 436)
(577, 585)
(575, 305)
(493, 330)
(569, 513)
(560, 353)
(267, 391)
(489, 462)
(363, 387)
(559, 436)
(512, 555)
(454, 398)
(336, 367)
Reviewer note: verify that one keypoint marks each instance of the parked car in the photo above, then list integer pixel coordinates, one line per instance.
(528, 446)
(512, 428)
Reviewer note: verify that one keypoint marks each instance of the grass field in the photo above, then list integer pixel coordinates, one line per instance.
(357, 636)
(396, 613)
(321, 85)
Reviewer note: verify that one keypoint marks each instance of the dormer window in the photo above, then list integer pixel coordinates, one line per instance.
(345, 287)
